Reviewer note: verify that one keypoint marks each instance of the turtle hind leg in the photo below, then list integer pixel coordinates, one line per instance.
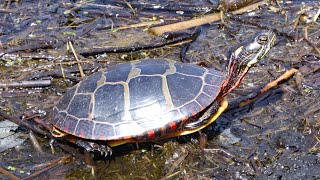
(92, 146)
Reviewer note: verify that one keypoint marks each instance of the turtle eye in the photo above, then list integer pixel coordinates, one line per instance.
(262, 39)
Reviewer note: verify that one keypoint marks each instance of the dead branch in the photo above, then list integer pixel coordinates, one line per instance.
(199, 21)
(138, 46)
(26, 84)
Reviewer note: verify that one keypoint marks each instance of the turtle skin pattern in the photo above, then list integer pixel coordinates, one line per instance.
(140, 99)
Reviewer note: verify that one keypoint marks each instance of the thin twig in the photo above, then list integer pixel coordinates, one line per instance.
(75, 55)
(9, 174)
(143, 24)
(307, 39)
(177, 162)
(51, 165)
(270, 85)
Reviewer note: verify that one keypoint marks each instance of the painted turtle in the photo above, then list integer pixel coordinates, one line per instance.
(147, 100)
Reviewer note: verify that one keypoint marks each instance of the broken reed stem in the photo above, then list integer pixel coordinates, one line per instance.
(310, 43)
(75, 55)
(270, 85)
(199, 21)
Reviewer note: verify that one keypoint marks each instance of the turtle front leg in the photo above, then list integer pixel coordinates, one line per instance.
(92, 146)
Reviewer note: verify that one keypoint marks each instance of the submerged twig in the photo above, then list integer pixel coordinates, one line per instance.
(177, 162)
(50, 165)
(54, 73)
(35, 142)
(20, 122)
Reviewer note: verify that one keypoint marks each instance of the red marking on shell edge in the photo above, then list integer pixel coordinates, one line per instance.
(102, 136)
(185, 118)
(140, 135)
(127, 137)
(66, 129)
(151, 134)
(173, 126)
(163, 130)
(81, 133)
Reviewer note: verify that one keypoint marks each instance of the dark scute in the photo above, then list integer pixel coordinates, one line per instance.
(58, 119)
(103, 131)
(191, 108)
(84, 129)
(65, 100)
(146, 91)
(69, 125)
(153, 61)
(112, 117)
(183, 88)
(90, 84)
(204, 100)
(215, 72)
(79, 106)
(109, 103)
(211, 90)
(153, 69)
(213, 80)
(118, 73)
(189, 69)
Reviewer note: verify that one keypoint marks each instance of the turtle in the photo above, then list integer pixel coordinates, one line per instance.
(151, 99)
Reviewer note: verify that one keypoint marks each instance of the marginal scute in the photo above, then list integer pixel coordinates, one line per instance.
(103, 131)
(204, 100)
(65, 100)
(58, 118)
(213, 79)
(219, 74)
(69, 125)
(211, 90)
(84, 129)
(128, 129)
(190, 109)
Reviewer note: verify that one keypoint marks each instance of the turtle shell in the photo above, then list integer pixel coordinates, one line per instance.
(140, 99)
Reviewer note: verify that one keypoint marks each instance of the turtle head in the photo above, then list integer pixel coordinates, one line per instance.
(245, 56)
(253, 50)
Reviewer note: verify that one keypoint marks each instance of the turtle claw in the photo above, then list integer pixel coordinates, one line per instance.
(92, 146)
